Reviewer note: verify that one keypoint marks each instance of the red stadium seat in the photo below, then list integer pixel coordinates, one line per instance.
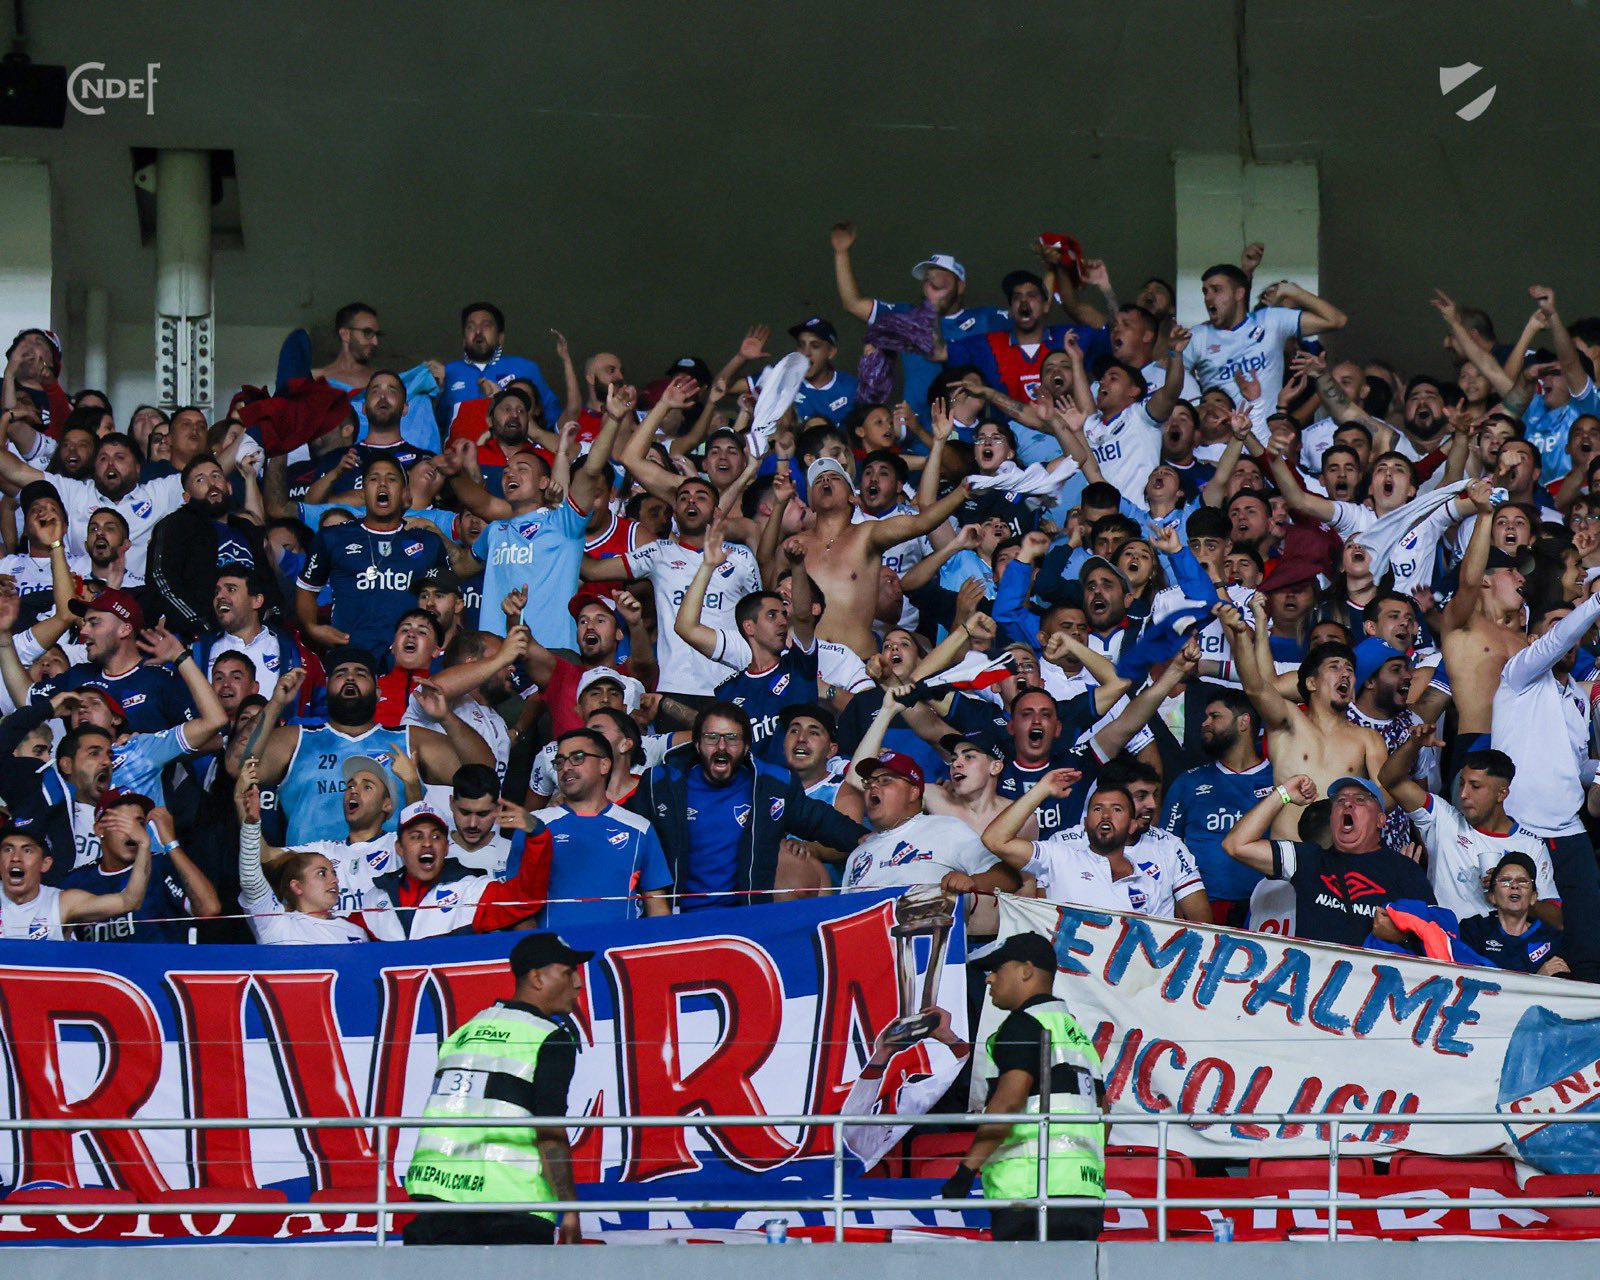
(1312, 1167)
(74, 1227)
(935, 1155)
(1124, 1163)
(1411, 1164)
(1567, 1184)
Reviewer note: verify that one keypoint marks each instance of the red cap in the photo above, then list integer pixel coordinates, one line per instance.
(902, 766)
(117, 712)
(591, 593)
(116, 602)
(113, 798)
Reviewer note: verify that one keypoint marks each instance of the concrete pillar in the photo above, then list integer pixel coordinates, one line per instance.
(25, 267)
(96, 337)
(1223, 203)
(184, 320)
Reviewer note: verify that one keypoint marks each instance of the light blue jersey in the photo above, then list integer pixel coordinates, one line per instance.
(312, 791)
(540, 550)
(138, 761)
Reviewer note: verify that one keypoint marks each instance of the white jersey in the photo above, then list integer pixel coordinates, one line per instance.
(1413, 556)
(1127, 447)
(1069, 870)
(489, 860)
(1256, 348)
(357, 864)
(1460, 856)
(142, 507)
(265, 651)
(839, 668)
(921, 850)
(905, 556)
(1315, 440)
(1213, 640)
(32, 573)
(36, 921)
(274, 926)
(670, 566)
(486, 722)
(542, 779)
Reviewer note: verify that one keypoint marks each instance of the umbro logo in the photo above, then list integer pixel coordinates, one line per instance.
(1356, 885)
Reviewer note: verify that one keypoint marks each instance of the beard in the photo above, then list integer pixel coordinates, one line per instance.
(382, 417)
(216, 507)
(1218, 744)
(352, 708)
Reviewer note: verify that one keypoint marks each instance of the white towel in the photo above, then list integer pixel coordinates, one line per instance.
(780, 384)
(1385, 535)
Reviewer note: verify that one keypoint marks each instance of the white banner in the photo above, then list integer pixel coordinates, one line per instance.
(1195, 1018)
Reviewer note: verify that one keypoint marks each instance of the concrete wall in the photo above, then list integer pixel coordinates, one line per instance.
(1193, 1261)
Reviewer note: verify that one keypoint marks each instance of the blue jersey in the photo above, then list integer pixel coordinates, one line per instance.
(461, 384)
(161, 917)
(1202, 805)
(311, 514)
(540, 550)
(917, 370)
(311, 794)
(1525, 952)
(792, 679)
(153, 698)
(833, 400)
(405, 453)
(139, 759)
(1054, 814)
(613, 856)
(371, 572)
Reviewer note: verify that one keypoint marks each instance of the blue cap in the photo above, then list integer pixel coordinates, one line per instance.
(1366, 784)
(1371, 654)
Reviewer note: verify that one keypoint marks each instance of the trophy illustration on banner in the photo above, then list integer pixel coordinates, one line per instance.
(921, 911)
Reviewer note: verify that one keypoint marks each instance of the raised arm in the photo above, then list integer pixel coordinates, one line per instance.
(586, 483)
(78, 906)
(1560, 339)
(1109, 686)
(1003, 838)
(1146, 704)
(1247, 842)
(1316, 314)
(1480, 359)
(693, 632)
(13, 470)
(634, 456)
(1161, 404)
(842, 236)
(1256, 675)
(1395, 775)
(573, 404)
(1469, 590)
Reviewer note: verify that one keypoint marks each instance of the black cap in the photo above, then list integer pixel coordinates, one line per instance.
(512, 393)
(986, 743)
(26, 827)
(1500, 559)
(811, 711)
(539, 949)
(440, 578)
(342, 653)
(1034, 948)
(816, 324)
(694, 366)
(31, 493)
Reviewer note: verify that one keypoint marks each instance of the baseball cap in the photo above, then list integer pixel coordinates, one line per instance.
(1366, 784)
(1100, 562)
(113, 798)
(116, 602)
(506, 393)
(1502, 559)
(944, 261)
(902, 766)
(114, 705)
(632, 690)
(1290, 572)
(988, 745)
(1371, 654)
(440, 578)
(590, 593)
(366, 764)
(816, 324)
(809, 711)
(340, 654)
(539, 949)
(25, 827)
(694, 366)
(422, 811)
(1030, 948)
(826, 466)
(31, 493)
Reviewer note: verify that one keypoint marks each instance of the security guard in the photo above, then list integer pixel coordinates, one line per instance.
(1021, 973)
(514, 1059)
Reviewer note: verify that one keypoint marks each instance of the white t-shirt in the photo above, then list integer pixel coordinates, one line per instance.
(32, 573)
(1127, 447)
(1413, 556)
(142, 507)
(1069, 870)
(265, 651)
(1460, 855)
(840, 667)
(274, 925)
(36, 921)
(1214, 355)
(670, 566)
(486, 722)
(921, 850)
(490, 860)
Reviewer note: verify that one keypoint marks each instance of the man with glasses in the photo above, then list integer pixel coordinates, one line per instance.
(360, 336)
(606, 864)
(721, 814)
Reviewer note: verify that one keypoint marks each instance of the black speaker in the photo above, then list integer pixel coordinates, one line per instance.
(32, 96)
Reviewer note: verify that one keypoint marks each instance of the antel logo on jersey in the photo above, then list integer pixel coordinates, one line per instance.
(512, 554)
(381, 580)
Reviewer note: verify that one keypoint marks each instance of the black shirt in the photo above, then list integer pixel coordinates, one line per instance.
(1524, 953)
(1336, 894)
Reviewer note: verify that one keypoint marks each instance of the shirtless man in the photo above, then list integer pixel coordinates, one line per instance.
(1316, 738)
(845, 559)
(971, 792)
(1482, 624)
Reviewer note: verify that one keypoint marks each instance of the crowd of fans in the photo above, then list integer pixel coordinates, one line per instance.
(1056, 594)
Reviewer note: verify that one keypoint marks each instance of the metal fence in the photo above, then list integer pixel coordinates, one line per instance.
(836, 1204)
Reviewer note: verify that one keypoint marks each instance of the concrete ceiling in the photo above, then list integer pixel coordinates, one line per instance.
(653, 179)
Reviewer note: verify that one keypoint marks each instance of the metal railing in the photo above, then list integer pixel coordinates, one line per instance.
(836, 1203)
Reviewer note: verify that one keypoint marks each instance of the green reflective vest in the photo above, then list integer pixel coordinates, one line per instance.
(1077, 1152)
(494, 1164)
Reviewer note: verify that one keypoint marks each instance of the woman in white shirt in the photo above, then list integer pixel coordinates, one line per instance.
(301, 910)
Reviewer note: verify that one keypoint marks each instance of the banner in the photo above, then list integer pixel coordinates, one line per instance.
(1195, 1018)
(769, 1010)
